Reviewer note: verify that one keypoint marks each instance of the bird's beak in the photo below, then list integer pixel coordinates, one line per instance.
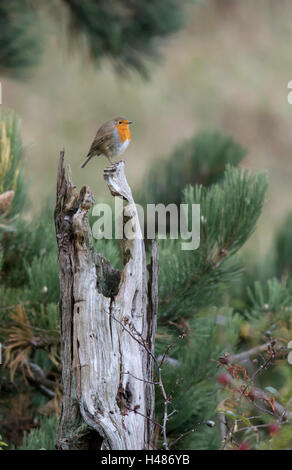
(129, 122)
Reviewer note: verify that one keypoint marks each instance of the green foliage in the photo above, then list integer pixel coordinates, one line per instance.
(20, 37)
(271, 296)
(282, 441)
(194, 398)
(28, 241)
(42, 438)
(191, 284)
(125, 31)
(255, 268)
(229, 212)
(9, 298)
(283, 248)
(197, 295)
(43, 279)
(266, 319)
(11, 176)
(46, 317)
(269, 310)
(2, 443)
(199, 160)
(191, 382)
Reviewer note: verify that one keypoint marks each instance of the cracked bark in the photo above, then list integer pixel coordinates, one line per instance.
(101, 361)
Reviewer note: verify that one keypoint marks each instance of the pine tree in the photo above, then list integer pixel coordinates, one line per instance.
(126, 32)
(199, 160)
(12, 187)
(210, 303)
(20, 37)
(283, 249)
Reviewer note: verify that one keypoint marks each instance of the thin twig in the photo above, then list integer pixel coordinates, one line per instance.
(137, 378)
(181, 436)
(249, 353)
(256, 393)
(144, 416)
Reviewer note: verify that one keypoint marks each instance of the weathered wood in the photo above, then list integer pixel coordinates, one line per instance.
(108, 323)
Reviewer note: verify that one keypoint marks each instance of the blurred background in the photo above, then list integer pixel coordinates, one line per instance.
(227, 68)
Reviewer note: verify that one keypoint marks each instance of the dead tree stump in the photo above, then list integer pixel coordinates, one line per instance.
(108, 323)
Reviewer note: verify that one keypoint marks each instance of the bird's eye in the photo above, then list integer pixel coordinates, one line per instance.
(120, 122)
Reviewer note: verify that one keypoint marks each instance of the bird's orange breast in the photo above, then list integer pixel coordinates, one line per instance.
(124, 132)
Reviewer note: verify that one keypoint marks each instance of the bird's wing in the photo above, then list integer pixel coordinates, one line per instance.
(102, 137)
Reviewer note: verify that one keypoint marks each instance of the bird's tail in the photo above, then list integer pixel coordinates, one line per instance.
(89, 156)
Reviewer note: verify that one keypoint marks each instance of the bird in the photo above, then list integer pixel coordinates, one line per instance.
(111, 139)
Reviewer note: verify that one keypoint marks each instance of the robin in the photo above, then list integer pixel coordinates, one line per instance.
(111, 139)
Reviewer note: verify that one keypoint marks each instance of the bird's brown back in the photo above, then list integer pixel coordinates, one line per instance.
(102, 138)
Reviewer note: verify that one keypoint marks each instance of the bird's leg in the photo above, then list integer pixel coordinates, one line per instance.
(110, 160)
